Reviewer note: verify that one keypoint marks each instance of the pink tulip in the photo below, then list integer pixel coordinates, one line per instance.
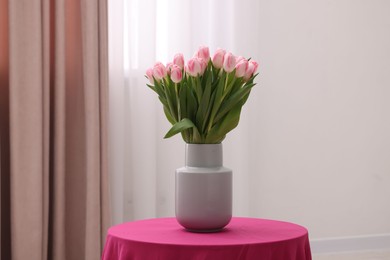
(149, 74)
(241, 68)
(203, 66)
(176, 74)
(194, 67)
(218, 58)
(255, 64)
(178, 59)
(159, 71)
(239, 58)
(169, 67)
(252, 68)
(203, 53)
(229, 62)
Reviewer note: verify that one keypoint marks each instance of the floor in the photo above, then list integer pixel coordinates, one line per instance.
(368, 255)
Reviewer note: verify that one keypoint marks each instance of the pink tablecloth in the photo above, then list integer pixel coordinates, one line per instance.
(243, 238)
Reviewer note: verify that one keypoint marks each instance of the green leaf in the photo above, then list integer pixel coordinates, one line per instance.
(169, 116)
(198, 89)
(151, 87)
(245, 98)
(204, 104)
(218, 99)
(192, 105)
(231, 120)
(184, 124)
(183, 101)
(228, 123)
(186, 136)
(163, 101)
(231, 102)
(170, 85)
(230, 83)
(207, 116)
(170, 100)
(159, 89)
(238, 84)
(196, 137)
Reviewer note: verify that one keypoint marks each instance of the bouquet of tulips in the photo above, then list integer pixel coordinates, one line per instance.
(203, 98)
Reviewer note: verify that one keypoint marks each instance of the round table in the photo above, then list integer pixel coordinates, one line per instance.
(241, 239)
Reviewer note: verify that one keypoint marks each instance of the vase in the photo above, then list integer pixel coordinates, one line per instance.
(203, 189)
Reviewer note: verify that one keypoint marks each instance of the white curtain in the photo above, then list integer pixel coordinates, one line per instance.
(141, 33)
(313, 143)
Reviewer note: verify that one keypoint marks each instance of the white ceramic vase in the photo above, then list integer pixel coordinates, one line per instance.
(203, 189)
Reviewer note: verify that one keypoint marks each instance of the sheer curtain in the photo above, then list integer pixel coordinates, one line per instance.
(141, 33)
(312, 146)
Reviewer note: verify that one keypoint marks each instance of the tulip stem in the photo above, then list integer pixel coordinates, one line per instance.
(178, 103)
(170, 105)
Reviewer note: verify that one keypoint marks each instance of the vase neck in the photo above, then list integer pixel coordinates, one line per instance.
(204, 155)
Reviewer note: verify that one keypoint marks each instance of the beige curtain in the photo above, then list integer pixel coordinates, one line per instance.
(53, 76)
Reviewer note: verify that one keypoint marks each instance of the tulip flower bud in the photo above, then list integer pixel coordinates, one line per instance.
(178, 59)
(203, 53)
(176, 74)
(149, 75)
(252, 68)
(239, 58)
(169, 67)
(241, 68)
(203, 66)
(218, 58)
(229, 62)
(255, 65)
(159, 71)
(194, 67)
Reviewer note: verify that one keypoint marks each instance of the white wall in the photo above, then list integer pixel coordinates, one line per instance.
(319, 121)
(313, 144)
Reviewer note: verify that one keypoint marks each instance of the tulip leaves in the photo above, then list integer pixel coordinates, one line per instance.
(204, 105)
(228, 123)
(203, 108)
(181, 126)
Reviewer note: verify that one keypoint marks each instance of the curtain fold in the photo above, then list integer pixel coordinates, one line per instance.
(57, 101)
(5, 224)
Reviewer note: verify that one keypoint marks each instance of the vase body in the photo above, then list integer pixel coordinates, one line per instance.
(203, 189)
